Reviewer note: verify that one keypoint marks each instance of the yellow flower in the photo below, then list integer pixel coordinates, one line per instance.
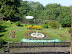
(34, 27)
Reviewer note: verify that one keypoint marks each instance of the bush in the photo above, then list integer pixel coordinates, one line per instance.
(52, 24)
(45, 22)
(25, 24)
(45, 25)
(69, 30)
(18, 23)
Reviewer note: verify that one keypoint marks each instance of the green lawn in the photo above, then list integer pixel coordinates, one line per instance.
(54, 33)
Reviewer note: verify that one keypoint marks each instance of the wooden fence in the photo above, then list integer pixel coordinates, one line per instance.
(39, 44)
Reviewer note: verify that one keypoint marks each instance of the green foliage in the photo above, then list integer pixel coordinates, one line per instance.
(17, 9)
(25, 24)
(1, 40)
(18, 23)
(45, 25)
(69, 30)
(32, 25)
(45, 22)
(23, 9)
(0, 27)
(66, 22)
(9, 22)
(53, 33)
(52, 24)
(9, 9)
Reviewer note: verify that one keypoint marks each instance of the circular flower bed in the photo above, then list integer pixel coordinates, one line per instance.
(37, 35)
(32, 34)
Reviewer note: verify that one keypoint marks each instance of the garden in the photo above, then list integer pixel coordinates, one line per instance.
(48, 23)
(15, 33)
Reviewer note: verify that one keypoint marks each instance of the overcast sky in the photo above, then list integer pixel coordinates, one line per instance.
(45, 2)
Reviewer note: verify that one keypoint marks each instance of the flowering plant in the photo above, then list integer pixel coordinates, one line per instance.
(12, 34)
(34, 27)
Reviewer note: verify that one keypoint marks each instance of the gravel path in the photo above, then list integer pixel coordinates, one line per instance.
(40, 49)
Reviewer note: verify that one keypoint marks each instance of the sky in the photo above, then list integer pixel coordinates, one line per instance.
(61, 2)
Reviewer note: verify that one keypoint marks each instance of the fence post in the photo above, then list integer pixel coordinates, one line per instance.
(21, 44)
(54, 44)
(64, 44)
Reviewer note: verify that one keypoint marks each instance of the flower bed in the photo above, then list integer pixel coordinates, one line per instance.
(27, 35)
(34, 27)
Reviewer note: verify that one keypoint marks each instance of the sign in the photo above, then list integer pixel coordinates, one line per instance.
(27, 40)
(29, 17)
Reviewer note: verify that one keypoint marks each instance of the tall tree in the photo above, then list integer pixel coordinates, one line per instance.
(36, 10)
(9, 9)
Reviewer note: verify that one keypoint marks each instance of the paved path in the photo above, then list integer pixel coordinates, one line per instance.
(40, 49)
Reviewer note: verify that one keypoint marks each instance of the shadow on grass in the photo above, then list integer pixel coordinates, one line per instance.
(20, 26)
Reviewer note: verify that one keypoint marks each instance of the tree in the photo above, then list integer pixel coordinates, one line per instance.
(36, 10)
(9, 9)
(66, 22)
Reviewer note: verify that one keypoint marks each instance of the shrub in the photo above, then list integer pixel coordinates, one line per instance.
(25, 24)
(45, 25)
(52, 24)
(69, 30)
(45, 22)
(9, 22)
(18, 23)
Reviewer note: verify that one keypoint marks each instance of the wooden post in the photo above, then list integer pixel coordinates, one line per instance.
(64, 44)
(21, 44)
(54, 44)
(71, 29)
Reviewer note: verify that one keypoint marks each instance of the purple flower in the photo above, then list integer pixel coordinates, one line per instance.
(29, 28)
(53, 38)
(26, 38)
(44, 35)
(35, 39)
(29, 38)
(47, 38)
